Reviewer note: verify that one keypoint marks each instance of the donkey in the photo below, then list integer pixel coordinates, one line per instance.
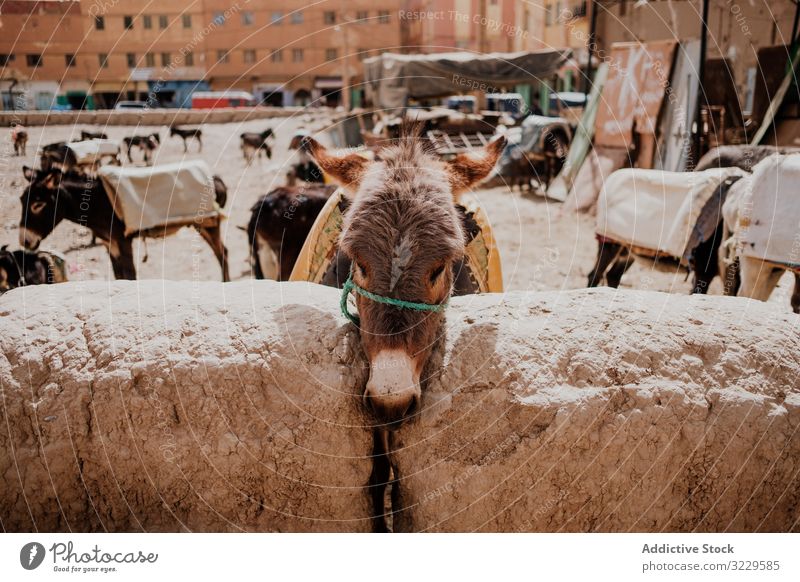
(86, 135)
(279, 224)
(255, 144)
(20, 140)
(402, 235)
(186, 134)
(58, 155)
(147, 143)
(748, 276)
(52, 196)
(20, 268)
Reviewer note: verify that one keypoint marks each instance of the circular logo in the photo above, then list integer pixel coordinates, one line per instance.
(31, 555)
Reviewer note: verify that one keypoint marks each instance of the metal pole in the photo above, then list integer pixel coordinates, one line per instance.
(701, 73)
(594, 5)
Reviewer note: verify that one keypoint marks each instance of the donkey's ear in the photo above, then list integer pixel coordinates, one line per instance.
(29, 173)
(467, 169)
(347, 170)
(53, 179)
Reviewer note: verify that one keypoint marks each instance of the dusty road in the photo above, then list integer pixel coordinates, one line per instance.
(541, 247)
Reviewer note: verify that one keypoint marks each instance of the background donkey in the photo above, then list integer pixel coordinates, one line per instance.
(53, 196)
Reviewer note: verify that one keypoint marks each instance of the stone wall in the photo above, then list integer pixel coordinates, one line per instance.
(170, 406)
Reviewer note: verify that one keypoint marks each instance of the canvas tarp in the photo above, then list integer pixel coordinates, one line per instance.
(634, 93)
(654, 209)
(146, 198)
(769, 213)
(91, 151)
(391, 79)
(560, 188)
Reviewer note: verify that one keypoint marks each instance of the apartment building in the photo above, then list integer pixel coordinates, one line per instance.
(290, 53)
(39, 54)
(736, 30)
(94, 53)
(138, 49)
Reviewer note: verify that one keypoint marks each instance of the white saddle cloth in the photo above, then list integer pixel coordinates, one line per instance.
(145, 198)
(93, 150)
(769, 211)
(655, 209)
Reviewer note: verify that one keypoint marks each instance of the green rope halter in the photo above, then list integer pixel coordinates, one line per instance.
(349, 286)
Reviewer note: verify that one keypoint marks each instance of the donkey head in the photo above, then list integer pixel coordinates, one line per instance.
(41, 208)
(402, 234)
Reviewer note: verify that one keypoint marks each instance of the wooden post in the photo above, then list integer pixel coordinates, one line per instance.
(701, 72)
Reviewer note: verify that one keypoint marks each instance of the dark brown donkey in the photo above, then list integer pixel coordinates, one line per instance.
(403, 234)
(53, 196)
(279, 224)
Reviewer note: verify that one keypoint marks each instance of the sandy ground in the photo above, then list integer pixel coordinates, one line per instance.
(541, 246)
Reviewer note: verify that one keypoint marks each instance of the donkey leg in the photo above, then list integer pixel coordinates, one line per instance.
(213, 236)
(619, 268)
(121, 253)
(706, 261)
(379, 479)
(607, 253)
(796, 294)
(758, 278)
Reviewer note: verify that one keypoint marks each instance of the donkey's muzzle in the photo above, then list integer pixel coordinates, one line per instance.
(29, 239)
(393, 390)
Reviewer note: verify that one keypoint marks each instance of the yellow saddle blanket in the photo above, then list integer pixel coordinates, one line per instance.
(319, 253)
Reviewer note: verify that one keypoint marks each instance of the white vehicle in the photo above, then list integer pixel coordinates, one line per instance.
(131, 105)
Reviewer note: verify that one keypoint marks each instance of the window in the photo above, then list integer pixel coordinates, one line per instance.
(362, 53)
(383, 16)
(128, 22)
(331, 54)
(131, 58)
(249, 56)
(166, 59)
(548, 15)
(223, 56)
(247, 18)
(163, 22)
(276, 17)
(329, 17)
(69, 60)
(150, 60)
(188, 59)
(361, 16)
(219, 18)
(102, 58)
(297, 55)
(5, 59)
(147, 22)
(297, 17)
(100, 22)
(277, 56)
(187, 20)
(33, 60)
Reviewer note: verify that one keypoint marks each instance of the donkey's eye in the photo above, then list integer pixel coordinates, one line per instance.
(360, 270)
(436, 273)
(37, 207)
